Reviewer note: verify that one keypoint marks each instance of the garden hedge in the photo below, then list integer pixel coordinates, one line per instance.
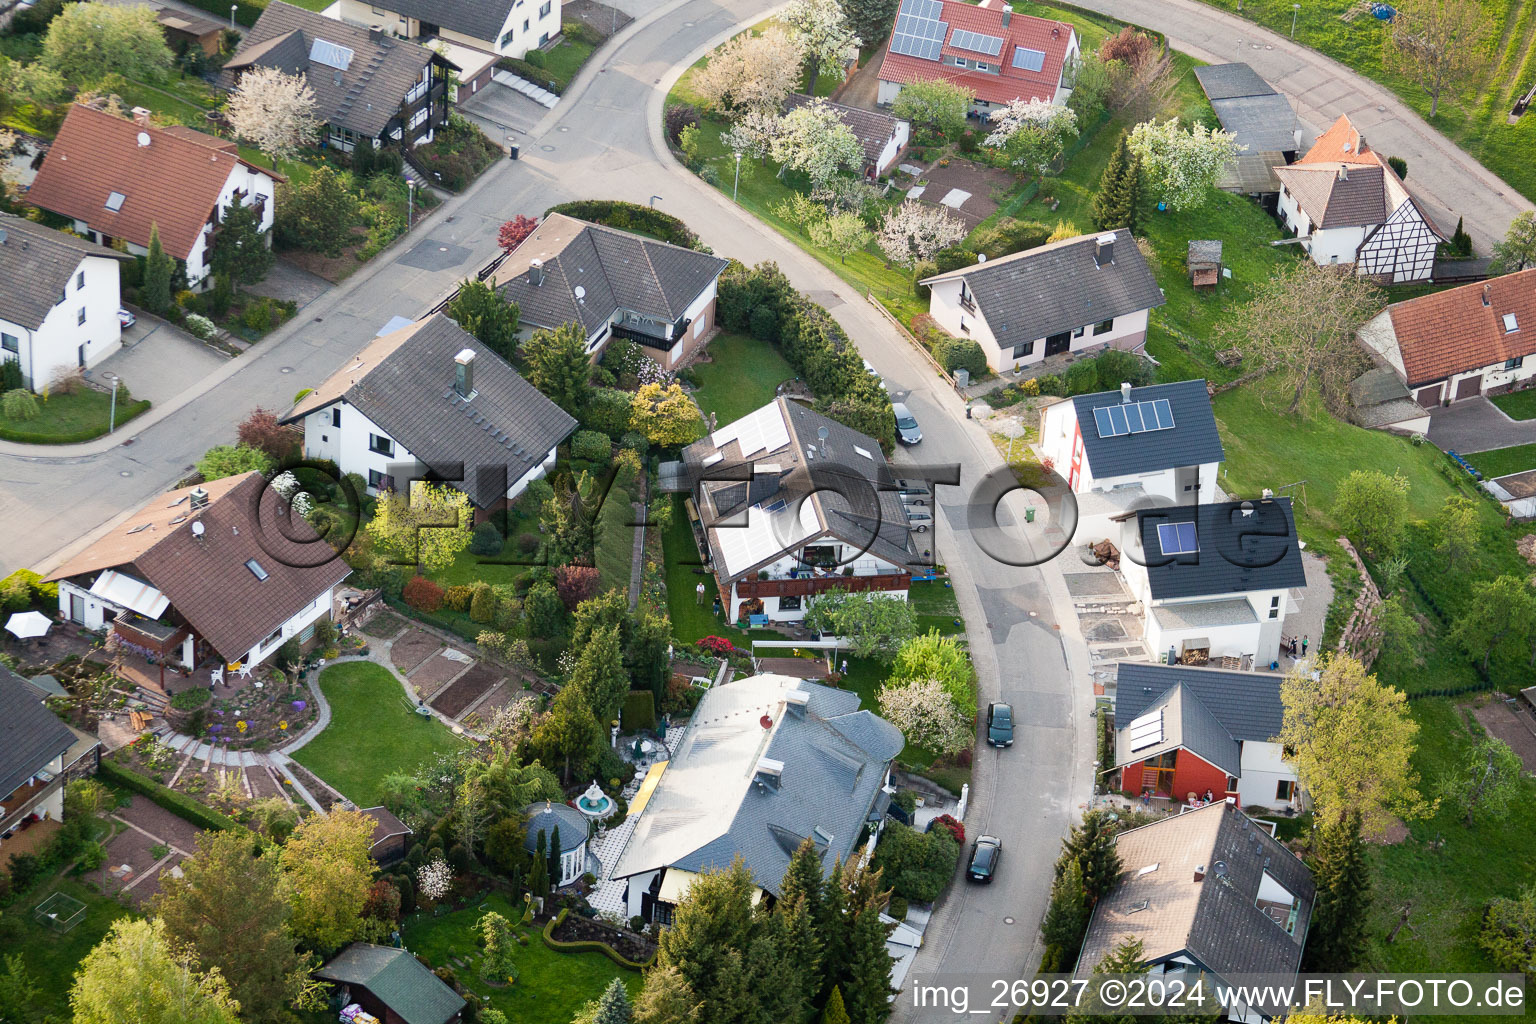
(178, 804)
(615, 213)
(589, 945)
(639, 711)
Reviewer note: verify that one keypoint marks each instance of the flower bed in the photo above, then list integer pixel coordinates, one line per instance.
(572, 933)
(248, 718)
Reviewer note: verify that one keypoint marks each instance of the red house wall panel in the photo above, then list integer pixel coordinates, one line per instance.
(1193, 775)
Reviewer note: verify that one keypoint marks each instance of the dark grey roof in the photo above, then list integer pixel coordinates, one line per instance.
(873, 128)
(1203, 250)
(1331, 201)
(616, 269)
(398, 979)
(478, 19)
(1215, 920)
(1192, 441)
(36, 264)
(1227, 81)
(1237, 553)
(1058, 287)
(1259, 122)
(382, 70)
(1187, 723)
(406, 387)
(1252, 173)
(30, 734)
(1247, 704)
(547, 817)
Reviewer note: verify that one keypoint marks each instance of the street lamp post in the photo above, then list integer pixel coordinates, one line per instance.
(232, 9)
(653, 201)
(736, 188)
(112, 407)
(410, 203)
(1295, 10)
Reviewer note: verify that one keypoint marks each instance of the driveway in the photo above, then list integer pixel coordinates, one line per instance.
(501, 110)
(287, 281)
(863, 87)
(1475, 425)
(158, 361)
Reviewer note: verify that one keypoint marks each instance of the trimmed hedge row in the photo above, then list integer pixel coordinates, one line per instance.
(623, 216)
(178, 804)
(589, 945)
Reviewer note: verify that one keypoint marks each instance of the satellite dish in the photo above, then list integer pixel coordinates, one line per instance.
(821, 432)
(580, 293)
(143, 138)
(981, 257)
(197, 528)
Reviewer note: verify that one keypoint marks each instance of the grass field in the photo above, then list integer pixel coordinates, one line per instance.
(51, 958)
(742, 375)
(936, 607)
(373, 732)
(1498, 462)
(65, 419)
(1517, 405)
(1474, 116)
(690, 620)
(551, 986)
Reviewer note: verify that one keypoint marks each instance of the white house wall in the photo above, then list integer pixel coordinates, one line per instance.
(55, 345)
(1380, 340)
(348, 445)
(1263, 767)
(893, 146)
(539, 31)
(313, 612)
(1128, 331)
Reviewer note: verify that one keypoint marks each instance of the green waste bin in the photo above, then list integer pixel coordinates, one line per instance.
(1029, 514)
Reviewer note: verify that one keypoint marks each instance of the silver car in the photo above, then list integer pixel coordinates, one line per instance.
(907, 430)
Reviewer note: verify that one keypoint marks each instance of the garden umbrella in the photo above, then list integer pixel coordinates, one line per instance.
(26, 625)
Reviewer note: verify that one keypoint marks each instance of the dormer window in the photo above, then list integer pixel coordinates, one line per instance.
(961, 62)
(1511, 325)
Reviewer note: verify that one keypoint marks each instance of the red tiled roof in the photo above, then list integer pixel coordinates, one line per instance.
(1452, 331)
(1053, 38)
(1341, 143)
(172, 183)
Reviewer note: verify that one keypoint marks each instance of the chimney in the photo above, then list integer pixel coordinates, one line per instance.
(1125, 393)
(1267, 494)
(464, 374)
(1007, 16)
(199, 499)
(535, 272)
(1104, 250)
(1343, 172)
(768, 773)
(795, 702)
(141, 116)
(1487, 291)
(1200, 873)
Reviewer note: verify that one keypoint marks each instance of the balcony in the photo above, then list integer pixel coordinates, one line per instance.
(23, 800)
(967, 303)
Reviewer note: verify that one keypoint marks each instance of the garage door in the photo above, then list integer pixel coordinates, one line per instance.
(1428, 397)
(1469, 387)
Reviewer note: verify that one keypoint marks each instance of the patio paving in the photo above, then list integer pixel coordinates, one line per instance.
(967, 188)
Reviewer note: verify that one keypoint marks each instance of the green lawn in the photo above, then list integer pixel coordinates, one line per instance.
(1474, 116)
(742, 375)
(1497, 462)
(1517, 405)
(66, 419)
(550, 986)
(690, 620)
(565, 60)
(936, 607)
(373, 732)
(51, 958)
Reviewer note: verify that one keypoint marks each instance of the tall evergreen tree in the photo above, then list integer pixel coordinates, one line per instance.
(1092, 845)
(1116, 203)
(666, 999)
(554, 856)
(802, 879)
(792, 985)
(832, 930)
(159, 268)
(559, 367)
(1066, 919)
(867, 993)
(712, 924)
(613, 1006)
(538, 875)
(835, 1012)
(1336, 935)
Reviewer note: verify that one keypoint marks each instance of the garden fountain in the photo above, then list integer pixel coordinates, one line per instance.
(594, 803)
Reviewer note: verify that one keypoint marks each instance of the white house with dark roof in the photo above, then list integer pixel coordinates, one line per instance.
(1208, 892)
(59, 299)
(767, 763)
(1182, 730)
(1077, 295)
(616, 285)
(1214, 580)
(431, 398)
(793, 504)
(506, 28)
(37, 753)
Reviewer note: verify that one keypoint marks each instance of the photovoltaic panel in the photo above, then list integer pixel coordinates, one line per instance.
(919, 31)
(976, 42)
(1133, 417)
(1177, 538)
(1028, 60)
(1117, 419)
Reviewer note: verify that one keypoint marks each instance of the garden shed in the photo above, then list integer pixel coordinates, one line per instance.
(1204, 262)
(392, 985)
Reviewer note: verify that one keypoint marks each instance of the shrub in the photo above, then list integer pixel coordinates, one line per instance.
(624, 216)
(457, 597)
(591, 445)
(954, 825)
(1082, 377)
(422, 594)
(186, 700)
(482, 603)
(608, 411)
(680, 116)
(535, 57)
(639, 711)
(1009, 237)
(19, 404)
(898, 908)
(486, 541)
(527, 543)
(635, 442)
(199, 326)
(1115, 367)
(1050, 384)
(917, 865)
(961, 354)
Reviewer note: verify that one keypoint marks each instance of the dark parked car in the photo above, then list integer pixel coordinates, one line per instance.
(985, 854)
(907, 430)
(999, 724)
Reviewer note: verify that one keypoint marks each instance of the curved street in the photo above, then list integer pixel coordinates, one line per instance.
(604, 140)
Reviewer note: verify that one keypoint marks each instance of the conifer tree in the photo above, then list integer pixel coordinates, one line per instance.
(1337, 932)
(159, 268)
(1116, 203)
(1092, 845)
(802, 879)
(613, 1006)
(868, 988)
(554, 856)
(832, 929)
(538, 875)
(835, 1012)
(1066, 919)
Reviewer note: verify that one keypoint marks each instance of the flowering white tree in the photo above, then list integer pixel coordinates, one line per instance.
(752, 135)
(273, 111)
(1032, 132)
(926, 714)
(914, 232)
(813, 139)
(841, 234)
(830, 42)
(433, 879)
(752, 72)
(1182, 165)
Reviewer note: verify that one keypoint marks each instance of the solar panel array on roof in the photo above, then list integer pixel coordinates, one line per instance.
(977, 42)
(1028, 60)
(1147, 731)
(919, 30)
(332, 55)
(1133, 417)
(1177, 538)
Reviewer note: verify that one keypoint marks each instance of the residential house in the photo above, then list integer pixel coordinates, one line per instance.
(119, 180)
(1259, 118)
(1077, 295)
(767, 763)
(368, 84)
(792, 504)
(1459, 343)
(1133, 448)
(1215, 580)
(1208, 893)
(985, 48)
(883, 137)
(615, 285)
(392, 985)
(216, 573)
(387, 843)
(506, 28)
(1347, 206)
(1182, 731)
(38, 752)
(430, 398)
(560, 823)
(59, 299)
